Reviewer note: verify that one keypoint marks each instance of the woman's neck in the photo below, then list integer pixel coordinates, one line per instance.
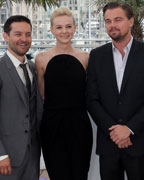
(64, 48)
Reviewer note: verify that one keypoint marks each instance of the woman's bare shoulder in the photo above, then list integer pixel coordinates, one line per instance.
(44, 56)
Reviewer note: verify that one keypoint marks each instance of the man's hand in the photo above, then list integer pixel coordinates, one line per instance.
(119, 133)
(125, 143)
(5, 167)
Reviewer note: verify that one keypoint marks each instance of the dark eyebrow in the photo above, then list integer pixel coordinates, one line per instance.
(119, 18)
(107, 19)
(17, 32)
(114, 18)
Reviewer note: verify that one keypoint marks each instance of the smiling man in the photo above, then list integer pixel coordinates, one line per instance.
(116, 97)
(20, 105)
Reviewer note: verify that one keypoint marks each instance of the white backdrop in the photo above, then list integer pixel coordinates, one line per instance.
(94, 166)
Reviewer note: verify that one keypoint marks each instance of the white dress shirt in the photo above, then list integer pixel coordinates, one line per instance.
(120, 64)
(20, 72)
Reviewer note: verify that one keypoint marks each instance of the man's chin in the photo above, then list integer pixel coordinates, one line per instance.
(22, 53)
(116, 38)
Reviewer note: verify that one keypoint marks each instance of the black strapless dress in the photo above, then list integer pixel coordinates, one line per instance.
(66, 132)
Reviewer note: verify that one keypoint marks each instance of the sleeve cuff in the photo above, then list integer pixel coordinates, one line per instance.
(131, 131)
(3, 157)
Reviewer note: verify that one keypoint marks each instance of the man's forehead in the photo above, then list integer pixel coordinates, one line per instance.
(114, 13)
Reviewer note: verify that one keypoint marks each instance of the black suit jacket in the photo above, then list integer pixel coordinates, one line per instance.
(107, 106)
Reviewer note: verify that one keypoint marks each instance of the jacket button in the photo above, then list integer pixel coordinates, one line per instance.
(27, 116)
(26, 131)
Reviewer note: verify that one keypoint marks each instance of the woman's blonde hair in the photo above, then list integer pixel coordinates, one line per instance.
(61, 11)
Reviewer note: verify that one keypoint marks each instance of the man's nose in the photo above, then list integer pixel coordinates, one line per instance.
(23, 38)
(113, 23)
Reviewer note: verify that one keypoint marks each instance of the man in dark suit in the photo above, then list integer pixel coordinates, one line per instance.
(20, 105)
(115, 99)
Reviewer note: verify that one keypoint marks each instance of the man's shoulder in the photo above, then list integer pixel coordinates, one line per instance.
(3, 58)
(102, 47)
(32, 65)
(138, 43)
(137, 47)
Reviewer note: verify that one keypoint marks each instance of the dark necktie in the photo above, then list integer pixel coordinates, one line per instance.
(28, 82)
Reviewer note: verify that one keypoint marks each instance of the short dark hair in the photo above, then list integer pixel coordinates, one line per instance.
(112, 5)
(16, 18)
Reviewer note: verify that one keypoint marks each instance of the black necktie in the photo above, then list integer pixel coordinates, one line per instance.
(28, 82)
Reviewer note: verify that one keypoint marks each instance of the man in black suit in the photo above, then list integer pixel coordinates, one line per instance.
(115, 97)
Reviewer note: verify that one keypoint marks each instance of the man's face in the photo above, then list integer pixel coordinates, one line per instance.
(118, 26)
(19, 39)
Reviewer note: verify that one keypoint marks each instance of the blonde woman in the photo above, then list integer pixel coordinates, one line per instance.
(66, 130)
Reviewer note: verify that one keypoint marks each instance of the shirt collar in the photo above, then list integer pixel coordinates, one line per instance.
(14, 60)
(128, 46)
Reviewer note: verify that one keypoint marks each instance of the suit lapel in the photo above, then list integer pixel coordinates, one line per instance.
(16, 80)
(130, 64)
(33, 89)
(110, 68)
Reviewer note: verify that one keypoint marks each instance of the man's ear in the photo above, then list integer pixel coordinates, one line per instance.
(6, 36)
(131, 22)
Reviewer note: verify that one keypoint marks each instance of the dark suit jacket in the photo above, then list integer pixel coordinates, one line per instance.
(19, 115)
(107, 106)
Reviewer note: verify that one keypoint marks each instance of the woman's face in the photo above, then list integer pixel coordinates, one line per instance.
(63, 28)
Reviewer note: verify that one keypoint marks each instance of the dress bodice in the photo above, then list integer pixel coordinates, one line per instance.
(65, 80)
